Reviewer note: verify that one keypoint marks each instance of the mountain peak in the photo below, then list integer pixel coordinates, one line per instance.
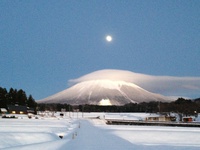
(104, 92)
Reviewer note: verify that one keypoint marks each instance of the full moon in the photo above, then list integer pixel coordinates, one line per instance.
(108, 38)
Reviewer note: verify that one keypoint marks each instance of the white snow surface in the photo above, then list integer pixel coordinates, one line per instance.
(84, 132)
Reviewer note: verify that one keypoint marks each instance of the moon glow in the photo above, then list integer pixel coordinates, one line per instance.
(108, 38)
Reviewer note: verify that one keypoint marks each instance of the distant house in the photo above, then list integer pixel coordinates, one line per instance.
(160, 118)
(17, 109)
(188, 119)
(30, 110)
(3, 110)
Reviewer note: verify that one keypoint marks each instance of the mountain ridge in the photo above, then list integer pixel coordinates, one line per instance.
(104, 92)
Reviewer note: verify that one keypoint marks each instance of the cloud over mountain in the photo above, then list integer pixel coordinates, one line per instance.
(119, 87)
(166, 85)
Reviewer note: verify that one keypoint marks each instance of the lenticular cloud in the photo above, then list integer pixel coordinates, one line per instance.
(166, 85)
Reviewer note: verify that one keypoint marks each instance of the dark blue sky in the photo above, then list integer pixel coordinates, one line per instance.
(44, 43)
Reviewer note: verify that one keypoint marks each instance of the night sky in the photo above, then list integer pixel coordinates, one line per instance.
(45, 43)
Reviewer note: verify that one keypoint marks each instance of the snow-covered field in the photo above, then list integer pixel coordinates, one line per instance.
(85, 132)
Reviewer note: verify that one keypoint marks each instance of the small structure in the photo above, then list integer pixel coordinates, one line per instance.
(3, 111)
(188, 119)
(30, 110)
(17, 109)
(163, 118)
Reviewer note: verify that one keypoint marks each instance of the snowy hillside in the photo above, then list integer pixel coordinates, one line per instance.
(104, 92)
(165, 85)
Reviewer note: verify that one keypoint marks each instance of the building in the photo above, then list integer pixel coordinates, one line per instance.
(17, 109)
(188, 119)
(163, 118)
(3, 111)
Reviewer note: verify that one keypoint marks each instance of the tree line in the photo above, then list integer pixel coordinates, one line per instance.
(181, 105)
(16, 97)
(19, 97)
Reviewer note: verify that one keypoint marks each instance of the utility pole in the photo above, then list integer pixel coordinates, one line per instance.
(159, 107)
(69, 111)
(82, 111)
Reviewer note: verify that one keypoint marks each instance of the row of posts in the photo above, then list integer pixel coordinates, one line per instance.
(74, 135)
(76, 110)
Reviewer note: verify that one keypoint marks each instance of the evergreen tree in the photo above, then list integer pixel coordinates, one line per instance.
(21, 98)
(12, 96)
(3, 97)
(31, 102)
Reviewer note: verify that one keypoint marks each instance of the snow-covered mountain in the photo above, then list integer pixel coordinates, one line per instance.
(104, 92)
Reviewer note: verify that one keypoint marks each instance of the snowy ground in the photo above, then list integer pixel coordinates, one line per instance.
(89, 133)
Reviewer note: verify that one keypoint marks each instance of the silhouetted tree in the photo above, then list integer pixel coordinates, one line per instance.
(12, 94)
(15, 96)
(31, 102)
(3, 97)
(21, 98)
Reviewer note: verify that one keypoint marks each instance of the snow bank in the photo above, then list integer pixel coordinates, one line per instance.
(91, 133)
(21, 132)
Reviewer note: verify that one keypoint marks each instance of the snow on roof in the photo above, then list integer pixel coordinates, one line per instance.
(154, 115)
(17, 107)
(3, 110)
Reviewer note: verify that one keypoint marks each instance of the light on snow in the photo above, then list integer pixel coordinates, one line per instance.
(105, 102)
